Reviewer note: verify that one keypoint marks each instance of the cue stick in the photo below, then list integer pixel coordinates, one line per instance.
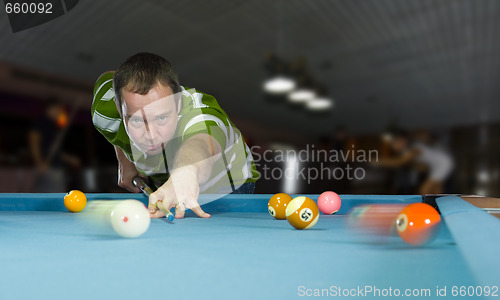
(146, 190)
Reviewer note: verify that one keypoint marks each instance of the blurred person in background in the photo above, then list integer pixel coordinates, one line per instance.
(45, 141)
(421, 153)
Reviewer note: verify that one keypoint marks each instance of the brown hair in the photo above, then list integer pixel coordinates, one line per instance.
(143, 71)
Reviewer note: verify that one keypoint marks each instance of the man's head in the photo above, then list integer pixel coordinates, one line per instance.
(400, 140)
(53, 108)
(147, 94)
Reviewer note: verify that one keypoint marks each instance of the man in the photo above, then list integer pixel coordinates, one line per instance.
(180, 139)
(45, 140)
(436, 160)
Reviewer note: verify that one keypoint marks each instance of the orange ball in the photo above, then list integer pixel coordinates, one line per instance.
(418, 224)
(75, 201)
(277, 205)
(302, 213)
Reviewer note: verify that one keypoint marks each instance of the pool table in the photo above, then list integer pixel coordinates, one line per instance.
(241, 252)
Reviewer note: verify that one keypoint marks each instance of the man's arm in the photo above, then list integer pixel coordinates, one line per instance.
(400, 161)
(34, 138)
(126, 171)
(193, 166)
(199, 152)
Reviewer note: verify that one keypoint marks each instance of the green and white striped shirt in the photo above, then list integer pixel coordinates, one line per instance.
(200, 113)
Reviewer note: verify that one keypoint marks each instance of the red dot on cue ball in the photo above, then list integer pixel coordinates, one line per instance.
(125, 219)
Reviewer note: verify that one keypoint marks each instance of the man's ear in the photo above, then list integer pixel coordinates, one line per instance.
(118, 108)
(179, 102)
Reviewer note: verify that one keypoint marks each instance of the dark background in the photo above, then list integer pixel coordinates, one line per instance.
(415, 64)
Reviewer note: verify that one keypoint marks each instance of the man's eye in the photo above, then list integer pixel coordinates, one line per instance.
(136, 122)
(161, 120)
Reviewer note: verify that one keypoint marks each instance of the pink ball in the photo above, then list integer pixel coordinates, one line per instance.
(329, 203)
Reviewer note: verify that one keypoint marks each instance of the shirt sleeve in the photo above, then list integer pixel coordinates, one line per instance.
(105, 115)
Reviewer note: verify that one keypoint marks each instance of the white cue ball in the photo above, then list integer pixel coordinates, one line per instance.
(127, 218)
(130, 218)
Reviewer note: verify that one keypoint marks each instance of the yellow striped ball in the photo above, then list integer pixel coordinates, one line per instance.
(302, 213)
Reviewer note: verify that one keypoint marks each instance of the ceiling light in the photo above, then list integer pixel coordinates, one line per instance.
(320, 104)
(279, 85)
(301, 95)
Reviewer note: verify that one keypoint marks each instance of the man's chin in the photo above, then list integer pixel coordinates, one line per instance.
(153, 151)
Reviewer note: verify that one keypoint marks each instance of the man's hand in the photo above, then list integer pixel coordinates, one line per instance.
(193, 166)
(180, 191)
(126, 172)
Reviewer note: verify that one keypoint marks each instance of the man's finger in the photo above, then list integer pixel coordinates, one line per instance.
(152, 208)
(154, 198)
(157, 214)
(199, 212)
(180, 209)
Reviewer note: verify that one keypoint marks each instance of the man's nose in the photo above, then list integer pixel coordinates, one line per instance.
(152, 132)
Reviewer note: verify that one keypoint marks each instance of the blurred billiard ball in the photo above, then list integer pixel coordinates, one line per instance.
(418, 224)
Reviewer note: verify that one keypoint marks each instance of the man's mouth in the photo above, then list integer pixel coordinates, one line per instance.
(152, 147)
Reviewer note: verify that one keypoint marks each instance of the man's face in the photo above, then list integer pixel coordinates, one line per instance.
(399, 144)
(54, 111)
(150, 119)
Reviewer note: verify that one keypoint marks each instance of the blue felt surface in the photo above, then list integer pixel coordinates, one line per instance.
(478, 235)
(230, 256)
